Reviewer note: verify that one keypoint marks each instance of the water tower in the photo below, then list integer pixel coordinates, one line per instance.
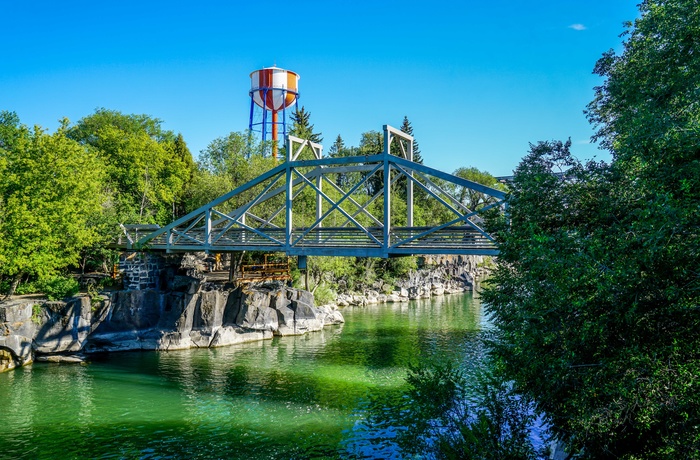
(272, 90)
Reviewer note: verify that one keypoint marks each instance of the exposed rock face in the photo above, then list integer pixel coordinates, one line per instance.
(188, 312)
(440, 275)
(193, 314)
(63, 326)
(16, 333)
(152, 320)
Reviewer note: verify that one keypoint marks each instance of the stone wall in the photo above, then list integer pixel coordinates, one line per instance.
(141, 270)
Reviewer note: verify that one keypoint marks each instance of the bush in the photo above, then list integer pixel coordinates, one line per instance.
(4, 285)
(324, 295)
(58, 287)
(27, 288)
(36, 314)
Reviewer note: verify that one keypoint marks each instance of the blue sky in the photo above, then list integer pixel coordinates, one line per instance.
(478, 80)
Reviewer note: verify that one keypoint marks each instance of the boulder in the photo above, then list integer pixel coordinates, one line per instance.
(61, 359)
(101, 342)
(209, 311)
(15, 351)
(230, 335)
(393, 297)
(285, 315)
(306, 317)
(17, 328)
(330, 315)
(255, 313)
(178, 312)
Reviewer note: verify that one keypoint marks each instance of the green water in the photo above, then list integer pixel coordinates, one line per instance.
(291, 397)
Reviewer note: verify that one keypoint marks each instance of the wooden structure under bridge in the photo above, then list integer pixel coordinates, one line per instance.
(332, 206)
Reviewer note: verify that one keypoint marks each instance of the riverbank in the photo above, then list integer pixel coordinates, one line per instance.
(189, 314)
(167, 309)
(439, 275)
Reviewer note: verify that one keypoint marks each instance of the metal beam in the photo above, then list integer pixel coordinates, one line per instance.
(209, 228)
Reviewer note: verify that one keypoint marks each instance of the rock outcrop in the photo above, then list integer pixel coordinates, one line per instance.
(167, 307)
(17, 331)
(439, 275)
(200, 318)
(191, 314)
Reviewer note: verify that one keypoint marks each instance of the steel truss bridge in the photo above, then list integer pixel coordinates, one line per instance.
(311, 205)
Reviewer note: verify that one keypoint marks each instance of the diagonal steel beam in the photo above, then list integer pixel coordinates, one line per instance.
(336, 205)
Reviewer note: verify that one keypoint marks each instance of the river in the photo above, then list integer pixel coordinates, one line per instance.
(290, 397)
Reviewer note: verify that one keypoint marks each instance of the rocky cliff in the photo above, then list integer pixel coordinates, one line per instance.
(190, 314)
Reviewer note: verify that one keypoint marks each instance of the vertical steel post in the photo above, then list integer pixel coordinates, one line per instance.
(409, 189)
(319, 198)
(387, 193)
(264, 116)
(252, 108)
(288, 199)
(274, 135)
(207, 230)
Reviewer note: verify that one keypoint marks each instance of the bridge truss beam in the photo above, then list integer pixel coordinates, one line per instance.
(333, 206)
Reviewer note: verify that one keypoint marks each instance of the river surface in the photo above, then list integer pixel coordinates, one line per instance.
(290, 397)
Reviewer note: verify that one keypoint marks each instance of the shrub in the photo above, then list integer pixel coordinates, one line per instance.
(27, 288)
(36, 313)
(324, 295)
(58, 287)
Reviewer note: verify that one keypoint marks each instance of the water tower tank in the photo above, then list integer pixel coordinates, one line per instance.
(273, 90)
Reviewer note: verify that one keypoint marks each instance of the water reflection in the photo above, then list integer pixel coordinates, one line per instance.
(292, 397)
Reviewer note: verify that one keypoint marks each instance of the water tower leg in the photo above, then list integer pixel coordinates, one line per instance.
(274, 134)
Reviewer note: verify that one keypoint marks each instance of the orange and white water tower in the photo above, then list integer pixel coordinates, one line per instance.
(272, 91)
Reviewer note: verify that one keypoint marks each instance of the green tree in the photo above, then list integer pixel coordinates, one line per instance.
(338, 148)
(473, 199)
(227, 163)
(407, 128)
(597, 275)
(147, 167)
(182, 152)
(372, 143)
(302, 127)
(51, 199)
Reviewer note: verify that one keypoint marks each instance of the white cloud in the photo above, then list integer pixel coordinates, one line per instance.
(577, 27)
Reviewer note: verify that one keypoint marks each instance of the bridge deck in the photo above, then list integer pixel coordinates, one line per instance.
(335, 241)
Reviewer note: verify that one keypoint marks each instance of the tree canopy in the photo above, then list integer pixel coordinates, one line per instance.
(147, 167)
(302, 126)
(596, 293)
(52, 196)
(407, 128)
